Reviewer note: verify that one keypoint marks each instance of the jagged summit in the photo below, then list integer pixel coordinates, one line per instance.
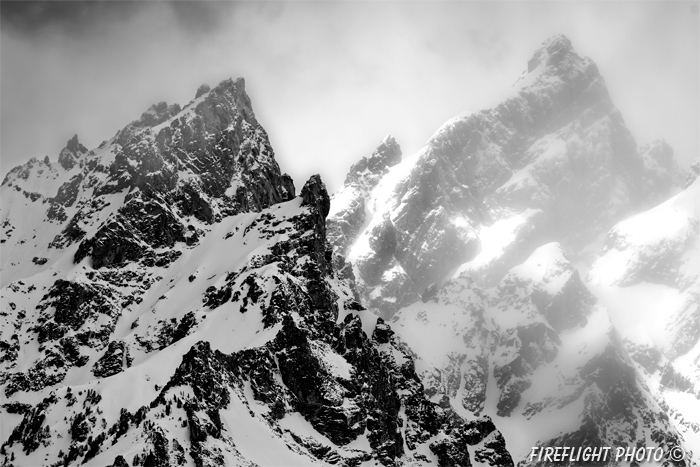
(201, 163)
(558, 40)
(554, 158)
(348, 206)
(232, 91)
(472, 248)
(557, 66)
(214, 106)
(314, 194)
(156, 114)
(367, 171)
(169, 301)
(552, 50)
(71, 153)
(73, 145)
(203, 89)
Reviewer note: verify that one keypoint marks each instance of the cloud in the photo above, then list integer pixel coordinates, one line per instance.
(74, 18)
(201, 17)
(328, 79)
(81, 19)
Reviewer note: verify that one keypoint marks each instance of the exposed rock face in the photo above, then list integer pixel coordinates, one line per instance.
(475, 245)
(348, 206)
(557, 146)
(616, 409)
(692, 174)
(661, 172)
(71, 153)
(510, 352)
(314, 363)
(181, 167)
(167, 300)
(113, 361)
(189, 312)
(649, 263)
(366, 173)
(314, 194)
(203, 89)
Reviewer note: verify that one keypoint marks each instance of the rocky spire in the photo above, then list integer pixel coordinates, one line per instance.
(692, 174)
(315, 194)
(557, 58)
(368, 171)
(553, 49)
(157, 114)
(70, 154)
(203, 89)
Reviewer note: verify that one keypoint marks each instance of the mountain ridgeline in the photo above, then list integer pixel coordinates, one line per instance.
(169, 299)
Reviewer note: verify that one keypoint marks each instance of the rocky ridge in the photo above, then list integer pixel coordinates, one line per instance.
(477, 249)
(187, 310)
(167, 300)
(553, 161)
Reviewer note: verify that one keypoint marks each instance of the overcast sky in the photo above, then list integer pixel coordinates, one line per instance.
(328, 80)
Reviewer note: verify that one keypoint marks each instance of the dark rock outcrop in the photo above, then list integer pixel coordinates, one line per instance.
(314, 194)
(70, 155)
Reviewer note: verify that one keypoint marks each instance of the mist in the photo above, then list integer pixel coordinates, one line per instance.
(328, 80)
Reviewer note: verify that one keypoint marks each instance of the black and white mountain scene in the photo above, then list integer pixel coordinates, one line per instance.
(322, 258)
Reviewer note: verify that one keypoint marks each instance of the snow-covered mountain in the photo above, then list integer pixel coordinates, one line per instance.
(511, 255)
(553, 161)
(529, 278)
(648, 277)
(167, 300)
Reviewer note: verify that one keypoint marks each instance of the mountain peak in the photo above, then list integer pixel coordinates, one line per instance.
(389, 140)
(315, 194)
(73, 144)
(557, 41)
(68, 156)
(556, 56)
(156, 114)
(203, 89)
(230, 93)
(369, 169)
(556, 61)
(551, 50)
